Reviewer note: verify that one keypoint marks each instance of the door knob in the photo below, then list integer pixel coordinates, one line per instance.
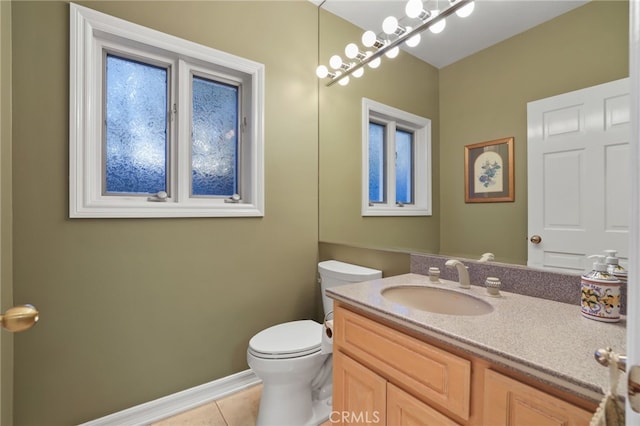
(633, 388)
(19, 318)
(536, 239)
(633, 378)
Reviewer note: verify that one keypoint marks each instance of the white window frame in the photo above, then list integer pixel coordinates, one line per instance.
(421, 127)
(90, 33)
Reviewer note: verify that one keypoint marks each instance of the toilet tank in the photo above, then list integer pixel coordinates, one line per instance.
(334, 273)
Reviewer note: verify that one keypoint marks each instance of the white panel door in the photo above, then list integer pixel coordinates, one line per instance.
(578, 176)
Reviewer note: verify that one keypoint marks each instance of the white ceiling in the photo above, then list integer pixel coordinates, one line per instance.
(491, 22)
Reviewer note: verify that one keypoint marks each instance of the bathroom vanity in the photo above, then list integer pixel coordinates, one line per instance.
(528, 361)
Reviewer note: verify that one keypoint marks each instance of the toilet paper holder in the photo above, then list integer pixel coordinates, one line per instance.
(328, 324)
(326, 343)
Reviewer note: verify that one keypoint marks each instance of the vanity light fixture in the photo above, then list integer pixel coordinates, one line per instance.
(466, 10)
(391, 26)
(439, 26)
(393, 52)
(336, 63)
(388, 42)
(353, 52)
(414, 9)
(375, 63)
(413, 41)
(370, 39)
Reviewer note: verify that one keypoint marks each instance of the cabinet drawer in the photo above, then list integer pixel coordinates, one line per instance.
(508, 402)
(436, 376)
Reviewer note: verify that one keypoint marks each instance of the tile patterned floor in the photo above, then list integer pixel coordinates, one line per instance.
(239, 409)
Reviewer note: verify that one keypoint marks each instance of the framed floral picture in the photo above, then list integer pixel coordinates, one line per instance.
(488, 171)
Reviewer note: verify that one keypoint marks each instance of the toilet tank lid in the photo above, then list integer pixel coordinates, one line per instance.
(347, 271)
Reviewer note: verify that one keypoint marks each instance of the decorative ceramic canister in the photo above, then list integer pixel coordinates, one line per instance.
(600, 293)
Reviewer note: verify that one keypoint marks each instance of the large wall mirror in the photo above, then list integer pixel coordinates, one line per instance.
(480, 98)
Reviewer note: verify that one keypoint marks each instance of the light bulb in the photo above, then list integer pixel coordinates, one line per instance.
(393, 52)
(358, 73)
(414, 40)
(466, 10)
(344, 81)
(375, 63)
(369, 38)
(322, 71)
(438, 26)
(351, 51)
(336, 62)
(389, 25)
(413, 8)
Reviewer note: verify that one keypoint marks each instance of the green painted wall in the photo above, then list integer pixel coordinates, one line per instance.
(484, 97)
(405, 83)
(133, 310)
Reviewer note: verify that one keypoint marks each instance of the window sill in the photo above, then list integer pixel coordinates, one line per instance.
(395, 211)
(166, 210)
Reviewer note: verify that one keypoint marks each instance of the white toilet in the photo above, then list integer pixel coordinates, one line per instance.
(295, 373)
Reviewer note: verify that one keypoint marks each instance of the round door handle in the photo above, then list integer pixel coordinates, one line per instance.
(19, 318)
(536, 239)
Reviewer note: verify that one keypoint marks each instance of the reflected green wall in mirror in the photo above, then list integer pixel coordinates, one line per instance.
(480, 98)
(406, 83)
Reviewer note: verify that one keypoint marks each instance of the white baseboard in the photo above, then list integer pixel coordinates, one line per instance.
(171, 405)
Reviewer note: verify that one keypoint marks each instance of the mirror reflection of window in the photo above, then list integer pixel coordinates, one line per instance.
(399, 143)
(377, 169)
(404, 167)
(396, 148)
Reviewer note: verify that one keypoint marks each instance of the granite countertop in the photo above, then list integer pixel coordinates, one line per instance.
(548, 340)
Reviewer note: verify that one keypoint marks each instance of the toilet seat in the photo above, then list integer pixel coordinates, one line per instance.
(288, 340)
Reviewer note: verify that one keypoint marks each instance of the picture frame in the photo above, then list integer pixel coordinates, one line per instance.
(489, 171)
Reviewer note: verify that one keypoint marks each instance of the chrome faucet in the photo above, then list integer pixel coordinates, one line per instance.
(463, 273)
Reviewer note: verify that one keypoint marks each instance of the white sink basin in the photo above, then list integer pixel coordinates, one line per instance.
(437, 300)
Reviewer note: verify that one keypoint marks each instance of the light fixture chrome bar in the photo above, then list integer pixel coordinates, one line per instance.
(404, 37)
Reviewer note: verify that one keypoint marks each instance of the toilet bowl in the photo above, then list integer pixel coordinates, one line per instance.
(288, 358)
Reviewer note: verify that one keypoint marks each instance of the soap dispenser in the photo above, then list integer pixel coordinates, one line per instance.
(613, 266)
(600, 293)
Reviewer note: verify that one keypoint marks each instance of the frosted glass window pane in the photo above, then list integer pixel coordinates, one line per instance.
(136, 127)
(377, 173)
(214, 158)
(404, 167)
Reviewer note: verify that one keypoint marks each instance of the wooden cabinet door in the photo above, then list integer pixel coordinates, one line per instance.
(359, 394)
(406, 410)
(508, 402)
(444, 379)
